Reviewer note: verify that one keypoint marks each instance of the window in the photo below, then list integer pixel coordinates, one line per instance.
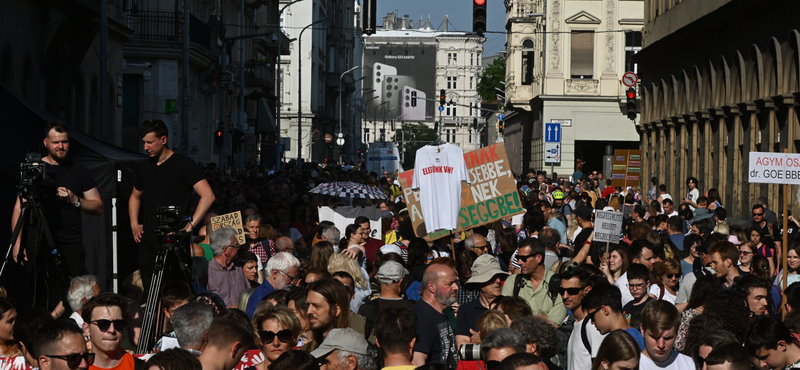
(471, 80)
(454, 108)
(450, 135)
(470, 136)
(471, 58)
(451, 82)
(528, 55)
(452, 59)
(366, 134)
(633, 44)
(582, 49)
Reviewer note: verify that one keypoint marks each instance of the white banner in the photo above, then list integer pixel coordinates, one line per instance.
(343, 216)
(607, 226)
(774, 168)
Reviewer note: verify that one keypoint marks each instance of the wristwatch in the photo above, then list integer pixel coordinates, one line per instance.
(77, 203)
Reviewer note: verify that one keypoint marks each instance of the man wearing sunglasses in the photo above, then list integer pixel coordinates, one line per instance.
(603, 308)
(585, 339)
(487, 277)
(105, 320)
(532, 283)
(60, 346)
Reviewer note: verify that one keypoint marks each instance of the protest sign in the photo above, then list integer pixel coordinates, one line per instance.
(627, 167)
(607, 226)
(492, 196)
(774, 168)
(343, 216)
(232, 220)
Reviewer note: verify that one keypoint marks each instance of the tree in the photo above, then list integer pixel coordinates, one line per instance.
(417, 135)
(491, 78)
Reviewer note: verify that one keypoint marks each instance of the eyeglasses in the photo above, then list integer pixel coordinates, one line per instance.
(745, 253)
(670, 276)
(233, 246)
(104, 325)
(267, 337)
(482, 247)
(74, 360)
(792, 257)
(571, 291)
(492, 365)
(522, 258)
(591, 315)
(757, 214)
(636, 286)
(292, 278)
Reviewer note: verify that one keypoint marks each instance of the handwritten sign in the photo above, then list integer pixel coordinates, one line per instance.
(627, 167)
(232, 220)
(607, 226)
(492, 196)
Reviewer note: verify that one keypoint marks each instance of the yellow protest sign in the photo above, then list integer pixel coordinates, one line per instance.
(232, 220)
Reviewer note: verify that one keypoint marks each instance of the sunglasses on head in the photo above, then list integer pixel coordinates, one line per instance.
(267, 337)
(104, 325)
(74, 360)
(571, 291)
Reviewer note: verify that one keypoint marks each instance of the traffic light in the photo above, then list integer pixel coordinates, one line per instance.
(479, 16)
(441, 97)
(238, 140)
(630, 105)
(218, 138)
(500, 127)
(475, 123)
(369, 10)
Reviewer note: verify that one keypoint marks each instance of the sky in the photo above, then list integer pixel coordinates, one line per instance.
(459, 13)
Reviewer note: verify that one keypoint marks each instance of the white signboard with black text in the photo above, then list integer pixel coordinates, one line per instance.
(607, 226)
(774, 168)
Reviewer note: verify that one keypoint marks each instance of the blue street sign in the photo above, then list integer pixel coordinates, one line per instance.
(441, 108)
(552, 132)
(500, 116)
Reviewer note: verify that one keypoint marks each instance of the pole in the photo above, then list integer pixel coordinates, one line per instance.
(785, 242)
(375, 118)
(339, 133)
(278, 147)
(383, 131)
(300, 92)
(104, 110)
(185, 88)
(222, 93)
(240, 155)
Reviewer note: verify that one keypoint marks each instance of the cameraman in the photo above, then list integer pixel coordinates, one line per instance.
(167, 179)
(68, 190)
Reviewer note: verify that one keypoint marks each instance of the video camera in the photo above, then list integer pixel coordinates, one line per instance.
(32, 170)
(169, 218)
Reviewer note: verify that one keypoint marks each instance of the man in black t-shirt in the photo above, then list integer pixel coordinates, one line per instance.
(436, 342)
(167, 179)
(69, 189)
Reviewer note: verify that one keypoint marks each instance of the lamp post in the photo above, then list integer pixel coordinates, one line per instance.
(300, 91)
(364, 117)
(279, 148)
(375, 117)
(339, 136)
(383, 131)
(353, 121)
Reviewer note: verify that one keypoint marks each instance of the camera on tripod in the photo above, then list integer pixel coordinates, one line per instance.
(32, 170)
(169, 218)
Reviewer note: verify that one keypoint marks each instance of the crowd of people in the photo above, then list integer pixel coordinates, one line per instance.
(682, 289)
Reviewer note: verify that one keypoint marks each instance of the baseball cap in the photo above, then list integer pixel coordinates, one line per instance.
(391, 248)
(342, 339)
(558, 194)
(484, 269)
(391, 272)
(584, 212)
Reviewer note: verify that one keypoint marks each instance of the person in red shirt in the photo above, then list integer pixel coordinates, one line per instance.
(608, 190)
(105, 319)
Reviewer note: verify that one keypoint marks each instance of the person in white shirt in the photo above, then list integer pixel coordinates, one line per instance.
(575, 284)
(669, 207)
(438, 173)
(693, 194)
(660, 321)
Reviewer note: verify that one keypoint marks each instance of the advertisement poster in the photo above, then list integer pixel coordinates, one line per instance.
(627, 168)
(492, 196)
(403, 76)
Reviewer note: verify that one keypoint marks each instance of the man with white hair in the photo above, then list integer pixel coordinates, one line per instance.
(331, 234)
(82, 289)
(226, 278)
(345, 349)
(282, 270)
(191, 322)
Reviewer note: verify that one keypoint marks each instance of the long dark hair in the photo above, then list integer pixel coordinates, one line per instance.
(348, 231)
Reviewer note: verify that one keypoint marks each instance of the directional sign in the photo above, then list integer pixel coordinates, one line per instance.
(552, 132)
(441, 108)
(500, 116)
(552, 153)
(630, 79)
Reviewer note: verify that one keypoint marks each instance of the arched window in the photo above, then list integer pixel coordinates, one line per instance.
(528, 55)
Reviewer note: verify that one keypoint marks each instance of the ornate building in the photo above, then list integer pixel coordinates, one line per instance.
(719, 80)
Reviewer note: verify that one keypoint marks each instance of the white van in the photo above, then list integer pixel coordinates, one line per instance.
(383, 157)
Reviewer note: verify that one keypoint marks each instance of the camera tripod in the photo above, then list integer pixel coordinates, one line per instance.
(27, 200)
(169, 244)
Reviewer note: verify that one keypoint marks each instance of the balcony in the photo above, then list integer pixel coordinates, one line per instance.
(582, 87)
(526, 9)
(167, 26)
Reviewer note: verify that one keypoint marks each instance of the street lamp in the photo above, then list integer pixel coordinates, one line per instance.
(383, 132)
(300, 91)
(278, 94)
(375, 116)
(340, 139)
(364, 116)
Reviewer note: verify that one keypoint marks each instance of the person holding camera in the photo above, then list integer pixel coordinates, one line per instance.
(167, 179)
(69, 189)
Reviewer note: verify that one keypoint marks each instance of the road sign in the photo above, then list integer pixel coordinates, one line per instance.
(552, 132)
(500, 116)
(552, 153)
(630, 79)
(441, 108)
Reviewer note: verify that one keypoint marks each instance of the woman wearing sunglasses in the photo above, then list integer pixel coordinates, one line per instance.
(669, 275)
(277, 331)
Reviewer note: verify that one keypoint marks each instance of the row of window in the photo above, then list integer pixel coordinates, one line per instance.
(474, 58)
(449, 135)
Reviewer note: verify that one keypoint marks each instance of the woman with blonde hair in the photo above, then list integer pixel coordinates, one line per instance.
(666, 286)
(618, 351)
(276, 331)
(340, 262)
(722, 229)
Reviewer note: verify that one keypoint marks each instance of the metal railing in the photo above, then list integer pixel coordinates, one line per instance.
(167, 26)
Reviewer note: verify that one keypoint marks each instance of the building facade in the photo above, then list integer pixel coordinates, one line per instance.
(565, 61)
(423, 61)
(731, 90)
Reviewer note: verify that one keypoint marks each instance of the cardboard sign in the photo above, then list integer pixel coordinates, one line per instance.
(491, 197)
(232, 220)
(774, 168)
(607, 226)
(343, 216)
(627, 167)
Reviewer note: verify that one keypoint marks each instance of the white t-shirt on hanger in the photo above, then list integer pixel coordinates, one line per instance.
(438, 173)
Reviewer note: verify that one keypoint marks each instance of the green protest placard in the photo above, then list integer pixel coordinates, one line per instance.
(491, 196)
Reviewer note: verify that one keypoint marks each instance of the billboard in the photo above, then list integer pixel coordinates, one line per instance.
(403, 76)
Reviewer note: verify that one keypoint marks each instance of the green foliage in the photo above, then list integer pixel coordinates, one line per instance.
(417, 135)
(491, 78)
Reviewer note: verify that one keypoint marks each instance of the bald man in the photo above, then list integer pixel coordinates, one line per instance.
(436, 341)
(284, 244)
